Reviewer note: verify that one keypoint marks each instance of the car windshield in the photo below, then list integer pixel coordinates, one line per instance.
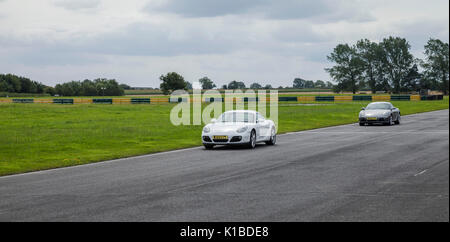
(237, 117)
(373, 106)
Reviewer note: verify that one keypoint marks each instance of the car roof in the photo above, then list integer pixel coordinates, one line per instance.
(241, 111)
(380, 102)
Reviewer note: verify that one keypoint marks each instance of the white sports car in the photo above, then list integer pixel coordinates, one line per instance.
(239, 127)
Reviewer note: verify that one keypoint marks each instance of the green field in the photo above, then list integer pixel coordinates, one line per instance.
(42, 136)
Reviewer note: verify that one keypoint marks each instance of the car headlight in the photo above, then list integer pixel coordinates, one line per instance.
(386, 114)
(361, 114)
(242, 130)
(206, 129)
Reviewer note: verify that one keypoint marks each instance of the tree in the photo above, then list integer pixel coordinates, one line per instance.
(255, 86)
(98, 87)
(49, 90)
(112, 87)
(236, 85)
(171, 82)
(18, 84)
(88, 88)
(397, 60)
(224, 86)
(299, 83)
(125, 86)
(412, 80)
(371, 54)
(206, 83)
(309, 84)
(319, 84)
(188, 86)
(348, 69)
(268, 86)
(329, 85)
(436, 64)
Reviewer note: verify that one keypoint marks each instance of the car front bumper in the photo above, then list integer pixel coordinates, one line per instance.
(233, 138)
(370, 120)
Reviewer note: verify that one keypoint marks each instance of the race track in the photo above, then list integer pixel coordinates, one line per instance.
(343, 173)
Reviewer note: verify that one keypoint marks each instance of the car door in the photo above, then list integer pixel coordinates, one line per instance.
(252, 121)
(264, 128)
(395, 113)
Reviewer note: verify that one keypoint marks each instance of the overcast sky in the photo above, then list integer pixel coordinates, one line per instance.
(265, 41)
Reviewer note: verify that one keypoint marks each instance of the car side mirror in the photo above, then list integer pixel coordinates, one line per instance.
(363, 108)
(213, 120)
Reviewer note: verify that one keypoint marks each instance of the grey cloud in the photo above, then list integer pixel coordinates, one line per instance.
(205, 8)
(150, 40)
(135, 40)
(414, 31)
(321, 10)
(144, 39)
(77, 4)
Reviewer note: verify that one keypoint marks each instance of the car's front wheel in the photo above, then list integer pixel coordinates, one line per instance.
(208, 147)
(389, 123)
(273, 138)
(398, 120)
(252, 142)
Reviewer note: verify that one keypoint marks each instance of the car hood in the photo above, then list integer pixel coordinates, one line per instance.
(375, 112)
(223, 127)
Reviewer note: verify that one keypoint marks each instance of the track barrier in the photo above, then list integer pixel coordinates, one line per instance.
(23, 100)
(362, 98)
(102, 100)
(159, 99)
(325, 99)
(63, 101)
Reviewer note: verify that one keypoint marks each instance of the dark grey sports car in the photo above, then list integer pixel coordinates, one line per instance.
(381, 113)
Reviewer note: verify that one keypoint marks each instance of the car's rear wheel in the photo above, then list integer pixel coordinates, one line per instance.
(252, 142)
(273, 138)
(208, 147)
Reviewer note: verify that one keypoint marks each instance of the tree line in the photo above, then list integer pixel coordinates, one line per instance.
(10, 83)
(389, 66)
(17, 84)
(301, 84)
(97, 87)
(173, 81)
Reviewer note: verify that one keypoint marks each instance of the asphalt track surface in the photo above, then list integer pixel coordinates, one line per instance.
(343, 173)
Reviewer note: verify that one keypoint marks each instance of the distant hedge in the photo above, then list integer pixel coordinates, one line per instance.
(10, 83)
(97, 87)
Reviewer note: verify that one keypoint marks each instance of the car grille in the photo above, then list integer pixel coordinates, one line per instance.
(220, 140)
(378, 119)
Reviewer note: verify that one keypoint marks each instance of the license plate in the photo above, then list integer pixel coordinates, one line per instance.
(371, 118)
(220, 137)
